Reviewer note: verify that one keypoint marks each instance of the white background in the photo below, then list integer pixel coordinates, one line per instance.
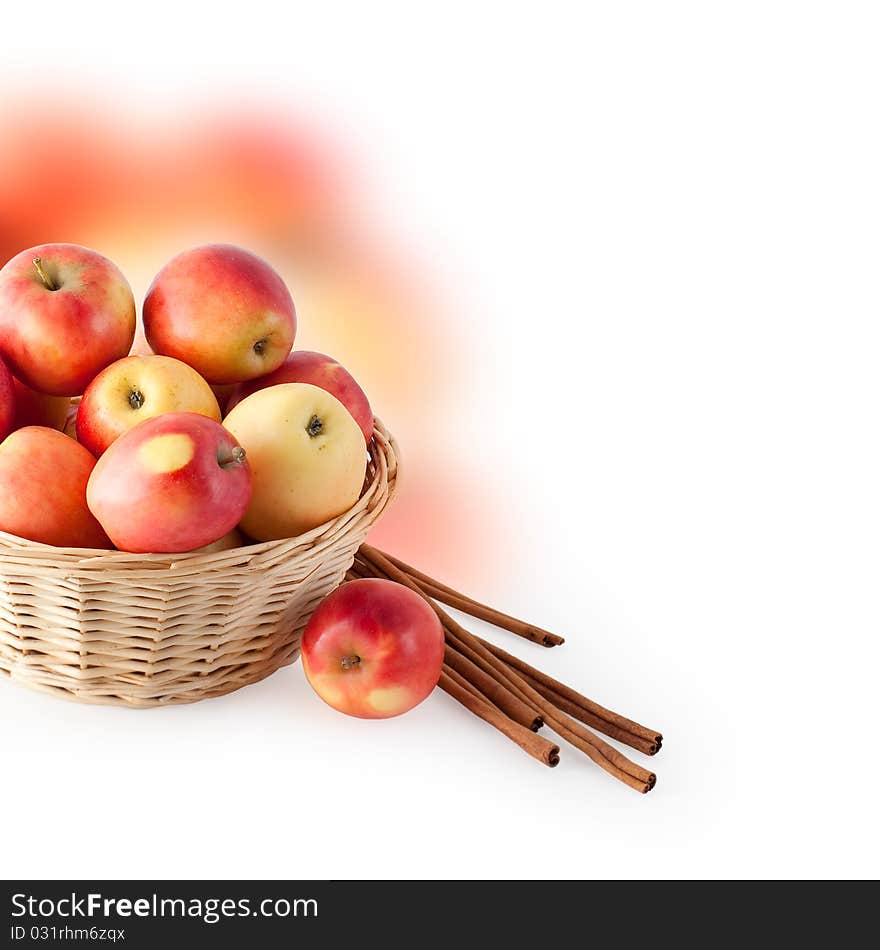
(662, 223)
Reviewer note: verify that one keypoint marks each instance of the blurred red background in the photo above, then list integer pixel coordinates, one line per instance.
(141, 189)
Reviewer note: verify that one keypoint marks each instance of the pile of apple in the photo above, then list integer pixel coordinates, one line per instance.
(147, 467)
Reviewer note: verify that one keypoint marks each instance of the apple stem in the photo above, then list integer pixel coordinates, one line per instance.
(237, 456)
(44, 277)
(348, 662)
(315, 426)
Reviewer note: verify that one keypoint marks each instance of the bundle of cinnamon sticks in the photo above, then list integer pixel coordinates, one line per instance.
(508, 693)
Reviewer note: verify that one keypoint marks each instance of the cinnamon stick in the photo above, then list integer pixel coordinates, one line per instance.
(494, 691)
(454, 598)
(604, 755)
(595, 722)
(546, 684)
(462, 682)
(536, 746)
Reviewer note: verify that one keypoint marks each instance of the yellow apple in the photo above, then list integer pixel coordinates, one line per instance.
(135, 389)
(307, 456)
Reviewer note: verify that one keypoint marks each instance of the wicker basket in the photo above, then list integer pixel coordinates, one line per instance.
(151, 630)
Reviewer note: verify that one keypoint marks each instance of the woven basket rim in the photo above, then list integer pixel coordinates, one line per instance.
(383, 452)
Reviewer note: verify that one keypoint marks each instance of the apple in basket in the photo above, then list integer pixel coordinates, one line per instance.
(43, 479)
(222, 310)
(373, 649)
(171, 484)
(65, 313)
(307, 455)
(323, 371)
(135, 389)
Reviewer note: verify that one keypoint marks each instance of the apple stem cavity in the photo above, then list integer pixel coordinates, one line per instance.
(259, 346)
(236, 457)
(136, 399)
(44, 277)
(315, 426)
(350, 662)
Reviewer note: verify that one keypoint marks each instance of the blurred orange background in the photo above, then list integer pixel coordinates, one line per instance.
(141, 189)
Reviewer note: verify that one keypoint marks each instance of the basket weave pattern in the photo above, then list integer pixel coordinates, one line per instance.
(152, 630)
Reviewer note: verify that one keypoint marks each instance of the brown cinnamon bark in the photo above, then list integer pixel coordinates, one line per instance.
(604, 755)
(536, 746)
(597, 749)
(463, 683)
(454, 598)
(546, 684)
(591, 720)
(494, 691)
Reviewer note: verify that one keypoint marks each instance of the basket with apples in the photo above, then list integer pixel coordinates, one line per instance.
(169, 521)
(155, 550)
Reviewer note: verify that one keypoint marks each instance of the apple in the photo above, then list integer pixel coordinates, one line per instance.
(174, 483)
(304, 366)
(7, 401)
(307, 456)
(65, 313)
(135, 389)
(43, 478)
(373, 649)
(38, 409)
(222, 310)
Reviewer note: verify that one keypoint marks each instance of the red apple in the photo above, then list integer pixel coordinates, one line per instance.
(173, 483)
(65, 313)
(135, 389)
(38, 409)
(373, 649)
(222, 310)
(305, 366)
(7, 401)
(43, 478)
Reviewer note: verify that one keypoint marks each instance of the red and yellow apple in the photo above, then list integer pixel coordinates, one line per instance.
(373, 649)
(43, 479)
(304, 366)
(38, 409)
(173, 483)
(222, 310)
(307, 456)
(135, 389)
(7, 401)
(65, 313)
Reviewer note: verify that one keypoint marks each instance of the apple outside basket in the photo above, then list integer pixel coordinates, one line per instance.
(145, 630)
